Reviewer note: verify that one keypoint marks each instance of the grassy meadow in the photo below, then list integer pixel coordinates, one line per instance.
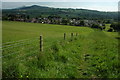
(13, 31)
(91, 54)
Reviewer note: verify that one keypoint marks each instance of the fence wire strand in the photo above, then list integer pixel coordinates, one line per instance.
(19, 41)
(16, 46)
(30, 48)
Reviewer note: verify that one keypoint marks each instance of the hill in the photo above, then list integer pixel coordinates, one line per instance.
(37, 11)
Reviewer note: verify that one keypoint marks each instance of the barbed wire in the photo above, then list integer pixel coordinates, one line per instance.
(19, 51)
(30, 55)
(19, 41)
(9, 54)
(18, 44)
(28, 49)
(24, 59)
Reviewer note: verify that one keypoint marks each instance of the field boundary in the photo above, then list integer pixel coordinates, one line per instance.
(26, 42)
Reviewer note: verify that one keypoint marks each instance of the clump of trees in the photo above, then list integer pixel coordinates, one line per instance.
(110, 30)
(115, 26)
(64, 21)
(96, 26)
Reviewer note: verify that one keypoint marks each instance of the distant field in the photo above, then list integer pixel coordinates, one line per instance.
(13, 31)
(92, 54)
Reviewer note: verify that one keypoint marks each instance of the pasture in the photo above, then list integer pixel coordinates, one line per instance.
(13, 31)
(91, 54)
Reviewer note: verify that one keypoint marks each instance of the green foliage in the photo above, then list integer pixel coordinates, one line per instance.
(36, 11)
(115, 26)
(110, 30)
(96, 26)
(82, 23)
(64, 22)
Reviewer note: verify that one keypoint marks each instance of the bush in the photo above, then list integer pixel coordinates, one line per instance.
(82, 23)
(115, 26)
(110, 30)
(96, 26)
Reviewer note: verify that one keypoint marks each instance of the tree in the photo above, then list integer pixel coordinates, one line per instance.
(82, 23)
(115, 26)
(110, 30)
(64, 21)
(28, 17)
(96, 26)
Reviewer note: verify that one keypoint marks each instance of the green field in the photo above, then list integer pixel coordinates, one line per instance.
(13, 31)
(91, 54)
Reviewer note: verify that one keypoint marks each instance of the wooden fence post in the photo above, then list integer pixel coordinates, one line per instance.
(71, 36)
(41, 43)
(76, 34)
(64, 36)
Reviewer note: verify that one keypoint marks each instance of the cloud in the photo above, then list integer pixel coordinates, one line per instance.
(100, 8)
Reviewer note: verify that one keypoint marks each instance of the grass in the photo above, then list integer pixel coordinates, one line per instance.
(92, 54)
(13, 31)
(107, 26)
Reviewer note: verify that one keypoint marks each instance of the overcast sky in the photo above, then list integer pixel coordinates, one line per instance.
(60, 0)
(100, 5)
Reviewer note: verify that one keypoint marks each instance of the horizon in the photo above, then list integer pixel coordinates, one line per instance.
(99, 6)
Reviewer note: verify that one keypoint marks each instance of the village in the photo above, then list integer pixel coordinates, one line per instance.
(57, 20)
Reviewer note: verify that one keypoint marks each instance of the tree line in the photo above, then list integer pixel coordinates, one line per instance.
(73, 17)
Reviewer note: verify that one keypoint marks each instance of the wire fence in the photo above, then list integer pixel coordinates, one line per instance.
(16, 47)
(29, 52)
(32, 45)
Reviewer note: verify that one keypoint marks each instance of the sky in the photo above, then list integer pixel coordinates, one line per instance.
(100, 5)
(60, 0)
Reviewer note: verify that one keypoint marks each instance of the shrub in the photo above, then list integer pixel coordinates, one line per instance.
(115, 26)
(110, 30)
(96, 26)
